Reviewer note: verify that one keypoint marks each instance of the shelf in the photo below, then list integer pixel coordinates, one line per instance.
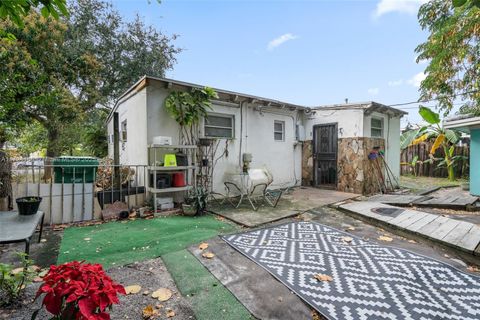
(167, 190)
(172, 146)
(177, 168)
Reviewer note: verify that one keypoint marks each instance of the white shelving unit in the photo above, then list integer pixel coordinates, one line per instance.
(190, 175)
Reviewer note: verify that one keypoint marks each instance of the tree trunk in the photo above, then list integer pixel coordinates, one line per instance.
(5, 182)
(53, 151)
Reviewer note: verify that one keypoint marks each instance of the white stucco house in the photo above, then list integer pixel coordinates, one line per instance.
(298, 144)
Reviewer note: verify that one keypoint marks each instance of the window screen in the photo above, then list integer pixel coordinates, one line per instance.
(219, 126)
(279, 130)
(376, 126)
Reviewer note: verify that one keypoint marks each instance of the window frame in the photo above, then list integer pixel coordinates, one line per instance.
(282, 132)
(220, 115)
(123, 130)
(381, 128)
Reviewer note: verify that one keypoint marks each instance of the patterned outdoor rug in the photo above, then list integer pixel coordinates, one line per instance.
(369, 281)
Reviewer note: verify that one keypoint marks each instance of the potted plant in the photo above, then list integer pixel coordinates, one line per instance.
(28, 205)
(196, 202)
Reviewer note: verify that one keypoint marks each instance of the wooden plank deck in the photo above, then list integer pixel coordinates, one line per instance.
(449, 201)
(455, 233)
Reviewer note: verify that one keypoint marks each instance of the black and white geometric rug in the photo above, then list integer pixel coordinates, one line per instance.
(369, 281)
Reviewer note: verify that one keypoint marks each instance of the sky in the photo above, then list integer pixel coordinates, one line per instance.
(304, 52)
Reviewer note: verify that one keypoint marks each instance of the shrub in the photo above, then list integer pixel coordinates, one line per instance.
(14, 280)
(77, 290)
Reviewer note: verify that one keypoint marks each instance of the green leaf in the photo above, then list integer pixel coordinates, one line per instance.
(451, 136)
(458, 3)
(45, 12)
(428, 115)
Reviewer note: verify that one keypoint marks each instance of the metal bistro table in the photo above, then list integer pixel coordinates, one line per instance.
(20, 228)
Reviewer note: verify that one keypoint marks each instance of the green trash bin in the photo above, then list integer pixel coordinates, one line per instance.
(75, 169)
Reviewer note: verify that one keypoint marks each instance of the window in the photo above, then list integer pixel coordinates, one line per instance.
(124, 131)
(279, 130)
(376, 127)
(219, 126)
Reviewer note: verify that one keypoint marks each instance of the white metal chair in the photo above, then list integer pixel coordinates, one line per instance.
(253, 186)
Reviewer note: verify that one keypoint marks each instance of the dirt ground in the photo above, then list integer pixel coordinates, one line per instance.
(150, 275)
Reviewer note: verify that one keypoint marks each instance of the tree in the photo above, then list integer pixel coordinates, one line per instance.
(444, 138)
(55, 86)
(453, 52)
(126, 51)
(16, 10)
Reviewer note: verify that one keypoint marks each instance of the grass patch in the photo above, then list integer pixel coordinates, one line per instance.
(208, 297)
(119, 243)
(421, 183)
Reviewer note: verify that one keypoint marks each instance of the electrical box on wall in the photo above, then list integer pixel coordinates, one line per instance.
(300, 132)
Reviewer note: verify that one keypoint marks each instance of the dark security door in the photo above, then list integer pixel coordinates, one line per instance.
(325, 147)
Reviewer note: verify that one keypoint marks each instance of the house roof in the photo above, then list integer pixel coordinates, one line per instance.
(462, 122)
(237, 97)
(368, 107)
(224, 95)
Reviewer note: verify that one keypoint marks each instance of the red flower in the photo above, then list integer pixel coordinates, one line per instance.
(80, 291)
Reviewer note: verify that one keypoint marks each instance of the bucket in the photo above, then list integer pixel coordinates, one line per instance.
(178, 179)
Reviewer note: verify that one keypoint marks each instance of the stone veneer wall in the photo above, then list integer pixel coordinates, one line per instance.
(354, 171)
(307, 163)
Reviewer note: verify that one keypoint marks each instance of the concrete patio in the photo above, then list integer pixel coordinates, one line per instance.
(292, 203)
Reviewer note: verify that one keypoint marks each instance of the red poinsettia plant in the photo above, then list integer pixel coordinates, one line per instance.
(80, 291)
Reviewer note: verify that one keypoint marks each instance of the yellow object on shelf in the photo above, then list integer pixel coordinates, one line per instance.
(170, 160)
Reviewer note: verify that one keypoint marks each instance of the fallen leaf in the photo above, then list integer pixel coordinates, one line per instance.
(219, 218)
(412, 241)
(322, 277)
(347, 239)
(133, 289)
(149, 312)
(315, 315)
(351, 228)
(159, 306)
(146, 293)
(86, 239)
(203, 246)
(170, 313)
(162, 294)
(208, 255)
(473, 269)
(43, 240)
(385, 238)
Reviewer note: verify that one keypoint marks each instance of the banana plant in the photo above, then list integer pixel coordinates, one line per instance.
(444, 138)
(413, 164)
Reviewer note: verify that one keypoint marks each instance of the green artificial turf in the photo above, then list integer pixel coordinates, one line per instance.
(119, 243)
(208, 297)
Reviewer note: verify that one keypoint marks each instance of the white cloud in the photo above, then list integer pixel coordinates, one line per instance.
(281, 40)
(395, 83)
(373, 91)
(417, 79)
(402, 6)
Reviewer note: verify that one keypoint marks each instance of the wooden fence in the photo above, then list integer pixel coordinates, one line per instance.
(422, 150)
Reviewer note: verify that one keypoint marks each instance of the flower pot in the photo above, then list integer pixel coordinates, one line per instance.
(28, 205)
(189, 210)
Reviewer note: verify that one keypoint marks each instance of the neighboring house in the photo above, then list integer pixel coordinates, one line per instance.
(279, 135)
(470, 124)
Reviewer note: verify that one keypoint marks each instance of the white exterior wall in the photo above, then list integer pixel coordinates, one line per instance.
(134, 110)
(391, 134)
(282, 158)
(350, 122)
(257, 138)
